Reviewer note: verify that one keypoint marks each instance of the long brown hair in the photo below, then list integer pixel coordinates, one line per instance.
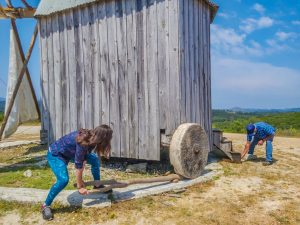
(100, 137)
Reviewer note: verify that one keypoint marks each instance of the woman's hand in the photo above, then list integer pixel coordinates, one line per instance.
(83, 191)
(260, 142)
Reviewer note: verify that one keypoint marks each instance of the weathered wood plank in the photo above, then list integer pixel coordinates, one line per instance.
(88, 109)
(57, 77)
(96, 70)
(142, 77)
(201, 60)
(191, 59)
(51, 85)
(208, 77)
(79, 69)
(132, 78)
(72, 69)
(153, 148)
(167, 74)
(209, 85)
(174, 109)
(205, 45)
(64, 84)
(122, 77)
(186, 62)
(113, 70)
(161, 58)
(104, 63)
(196, 62)
(44, 74)
(181, 48)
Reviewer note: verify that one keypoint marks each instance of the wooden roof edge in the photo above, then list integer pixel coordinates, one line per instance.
(214, 8)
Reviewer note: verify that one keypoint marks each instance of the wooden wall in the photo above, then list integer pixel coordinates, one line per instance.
(195, 64)
(140, 66)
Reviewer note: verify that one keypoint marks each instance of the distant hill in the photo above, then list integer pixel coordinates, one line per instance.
(286, 123)
(2, 104)
(243, 110)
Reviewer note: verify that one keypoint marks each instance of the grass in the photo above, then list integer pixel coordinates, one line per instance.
(17, 160)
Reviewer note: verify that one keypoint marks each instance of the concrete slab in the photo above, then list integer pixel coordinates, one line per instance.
(23, 136)
(100, 200)
(12, 144)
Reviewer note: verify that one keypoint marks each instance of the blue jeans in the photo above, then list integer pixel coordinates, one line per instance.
(269, 148)
(60, 170)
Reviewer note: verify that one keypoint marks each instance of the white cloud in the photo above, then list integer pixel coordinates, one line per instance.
(275, 46)
(250, 24)
(226, 36)
(259, 8)
(282, 36)
(253, 84)
(229, 41)
(223, 15)
(296, 22)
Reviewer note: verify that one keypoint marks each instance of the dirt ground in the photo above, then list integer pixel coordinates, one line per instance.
(247, 193)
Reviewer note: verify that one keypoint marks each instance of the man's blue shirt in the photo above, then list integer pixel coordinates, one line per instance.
(262, 131)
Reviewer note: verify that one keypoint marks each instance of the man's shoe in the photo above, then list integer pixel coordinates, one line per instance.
(102, 186)
(47, 213)
(251, 157)
(267, 163)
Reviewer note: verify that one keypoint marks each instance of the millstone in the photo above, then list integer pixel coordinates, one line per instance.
(189, 150)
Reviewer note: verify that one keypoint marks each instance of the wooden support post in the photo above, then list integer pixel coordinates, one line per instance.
(19, 81)
(8, 3)
(15, 30)
(26, 4)
(15, 13)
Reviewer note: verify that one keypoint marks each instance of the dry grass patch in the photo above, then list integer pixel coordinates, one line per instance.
(247, 194)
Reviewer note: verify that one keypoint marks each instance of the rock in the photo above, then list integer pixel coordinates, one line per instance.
(27, 173)
(128, 171)
(178, 191)
(42, 163)
(214, 166)
(140, 167)
(174, 195)
(168, 203)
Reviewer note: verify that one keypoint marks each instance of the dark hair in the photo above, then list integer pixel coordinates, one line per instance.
(100, 137)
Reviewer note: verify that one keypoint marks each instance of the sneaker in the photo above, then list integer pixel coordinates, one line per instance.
(102, 186)
(251, 157)
(267, 163)
(47, 213)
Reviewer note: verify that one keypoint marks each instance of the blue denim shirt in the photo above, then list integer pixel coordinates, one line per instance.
(66, 148)
(262, 131)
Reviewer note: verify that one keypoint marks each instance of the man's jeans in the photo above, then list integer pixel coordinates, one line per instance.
(269, 148)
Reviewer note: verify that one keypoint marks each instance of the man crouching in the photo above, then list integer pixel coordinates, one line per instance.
(258, 133)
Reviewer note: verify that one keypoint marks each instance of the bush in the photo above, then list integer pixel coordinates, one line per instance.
(287, 124)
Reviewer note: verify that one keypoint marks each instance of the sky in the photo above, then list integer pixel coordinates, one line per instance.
(256, 54)
(255, 51)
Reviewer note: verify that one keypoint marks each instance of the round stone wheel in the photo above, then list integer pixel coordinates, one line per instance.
(189, 150)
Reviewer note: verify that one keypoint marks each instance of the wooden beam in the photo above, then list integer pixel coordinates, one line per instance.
(15, 30)
(16, 13)
(19, 81)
